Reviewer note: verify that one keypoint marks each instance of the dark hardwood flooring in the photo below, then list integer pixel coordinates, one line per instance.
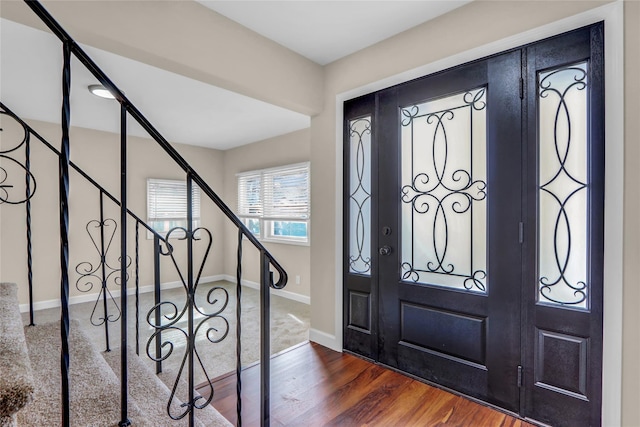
(312, 385)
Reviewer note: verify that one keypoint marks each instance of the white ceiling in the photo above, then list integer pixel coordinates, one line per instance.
(190, 111)
(327, 30)
(182, 109)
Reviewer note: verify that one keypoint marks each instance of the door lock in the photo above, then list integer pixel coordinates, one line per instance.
(385, 250)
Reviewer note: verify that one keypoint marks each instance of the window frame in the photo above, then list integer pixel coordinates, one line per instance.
(251, 210)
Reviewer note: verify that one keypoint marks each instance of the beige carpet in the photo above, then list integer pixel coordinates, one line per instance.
(289, 326)
(94, 388)
(16, 380)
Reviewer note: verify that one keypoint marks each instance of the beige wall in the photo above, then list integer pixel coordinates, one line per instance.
(631, 314)
(98, 154)
(188, 39)
(282, 150)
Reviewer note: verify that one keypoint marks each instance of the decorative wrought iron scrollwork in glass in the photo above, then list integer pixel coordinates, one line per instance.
(443, 178)
(187, 325)
(17, 183)
(360, 196)
(563, 186)
(101, 274)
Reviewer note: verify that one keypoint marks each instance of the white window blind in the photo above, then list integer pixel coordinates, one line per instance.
(286, 192)
(250, 195)
(167, 204)
(275, 202)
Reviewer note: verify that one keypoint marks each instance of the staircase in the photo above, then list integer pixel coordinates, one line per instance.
(51, 374)
(29, 394)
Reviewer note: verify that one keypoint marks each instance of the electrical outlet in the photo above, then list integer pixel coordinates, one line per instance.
(297, 280)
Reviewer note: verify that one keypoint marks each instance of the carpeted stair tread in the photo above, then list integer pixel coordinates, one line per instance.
(152, 395)
(16, 381)
(94, 388)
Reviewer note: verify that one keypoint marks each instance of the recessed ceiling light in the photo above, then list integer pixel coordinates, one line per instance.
(99, 90)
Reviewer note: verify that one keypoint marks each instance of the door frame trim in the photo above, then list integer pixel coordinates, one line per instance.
(613, 16)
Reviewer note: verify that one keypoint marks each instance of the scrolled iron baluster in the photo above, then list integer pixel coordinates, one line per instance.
(102, 273)
(9, 156)
(165, 316)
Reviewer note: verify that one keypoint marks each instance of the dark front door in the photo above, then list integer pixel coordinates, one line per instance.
(449, 311)
(473, 228)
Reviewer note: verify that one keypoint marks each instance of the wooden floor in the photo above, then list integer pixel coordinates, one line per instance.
(314, 386)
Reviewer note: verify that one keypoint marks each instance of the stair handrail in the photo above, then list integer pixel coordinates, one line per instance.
(71, 48)
(104, 80)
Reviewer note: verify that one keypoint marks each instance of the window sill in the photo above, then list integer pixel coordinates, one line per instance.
(281, 241)
(285, 242)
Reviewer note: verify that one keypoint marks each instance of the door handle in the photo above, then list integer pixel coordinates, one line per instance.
(385, 250)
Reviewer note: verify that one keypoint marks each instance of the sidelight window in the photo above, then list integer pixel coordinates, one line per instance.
(360, 196)
(563, 186)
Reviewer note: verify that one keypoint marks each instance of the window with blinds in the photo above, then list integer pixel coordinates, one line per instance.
(275, 204)
(167, 206)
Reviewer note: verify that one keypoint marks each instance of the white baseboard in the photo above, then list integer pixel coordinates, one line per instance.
(325, 339)
(279, 292)
(78, 299)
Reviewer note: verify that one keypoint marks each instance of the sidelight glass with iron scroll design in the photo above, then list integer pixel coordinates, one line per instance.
(360, 196)
(444, 191)
(563, 186)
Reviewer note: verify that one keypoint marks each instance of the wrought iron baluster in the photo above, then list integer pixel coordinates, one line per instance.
(137, 267)
(64, 231)
(6, 188)
(239, 331)
(27, 165)
(8, 191)
(103, 255)
(168, 317)
(102, 272)
(190, 297)
(156, 299)
(266, 279)
(124, 373)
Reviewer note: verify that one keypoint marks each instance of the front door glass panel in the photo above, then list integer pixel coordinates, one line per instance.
(360, 196)
(563, 187)
(444, 191)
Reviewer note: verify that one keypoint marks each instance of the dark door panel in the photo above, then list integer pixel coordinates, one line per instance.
(563, 305)
(453, 332)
